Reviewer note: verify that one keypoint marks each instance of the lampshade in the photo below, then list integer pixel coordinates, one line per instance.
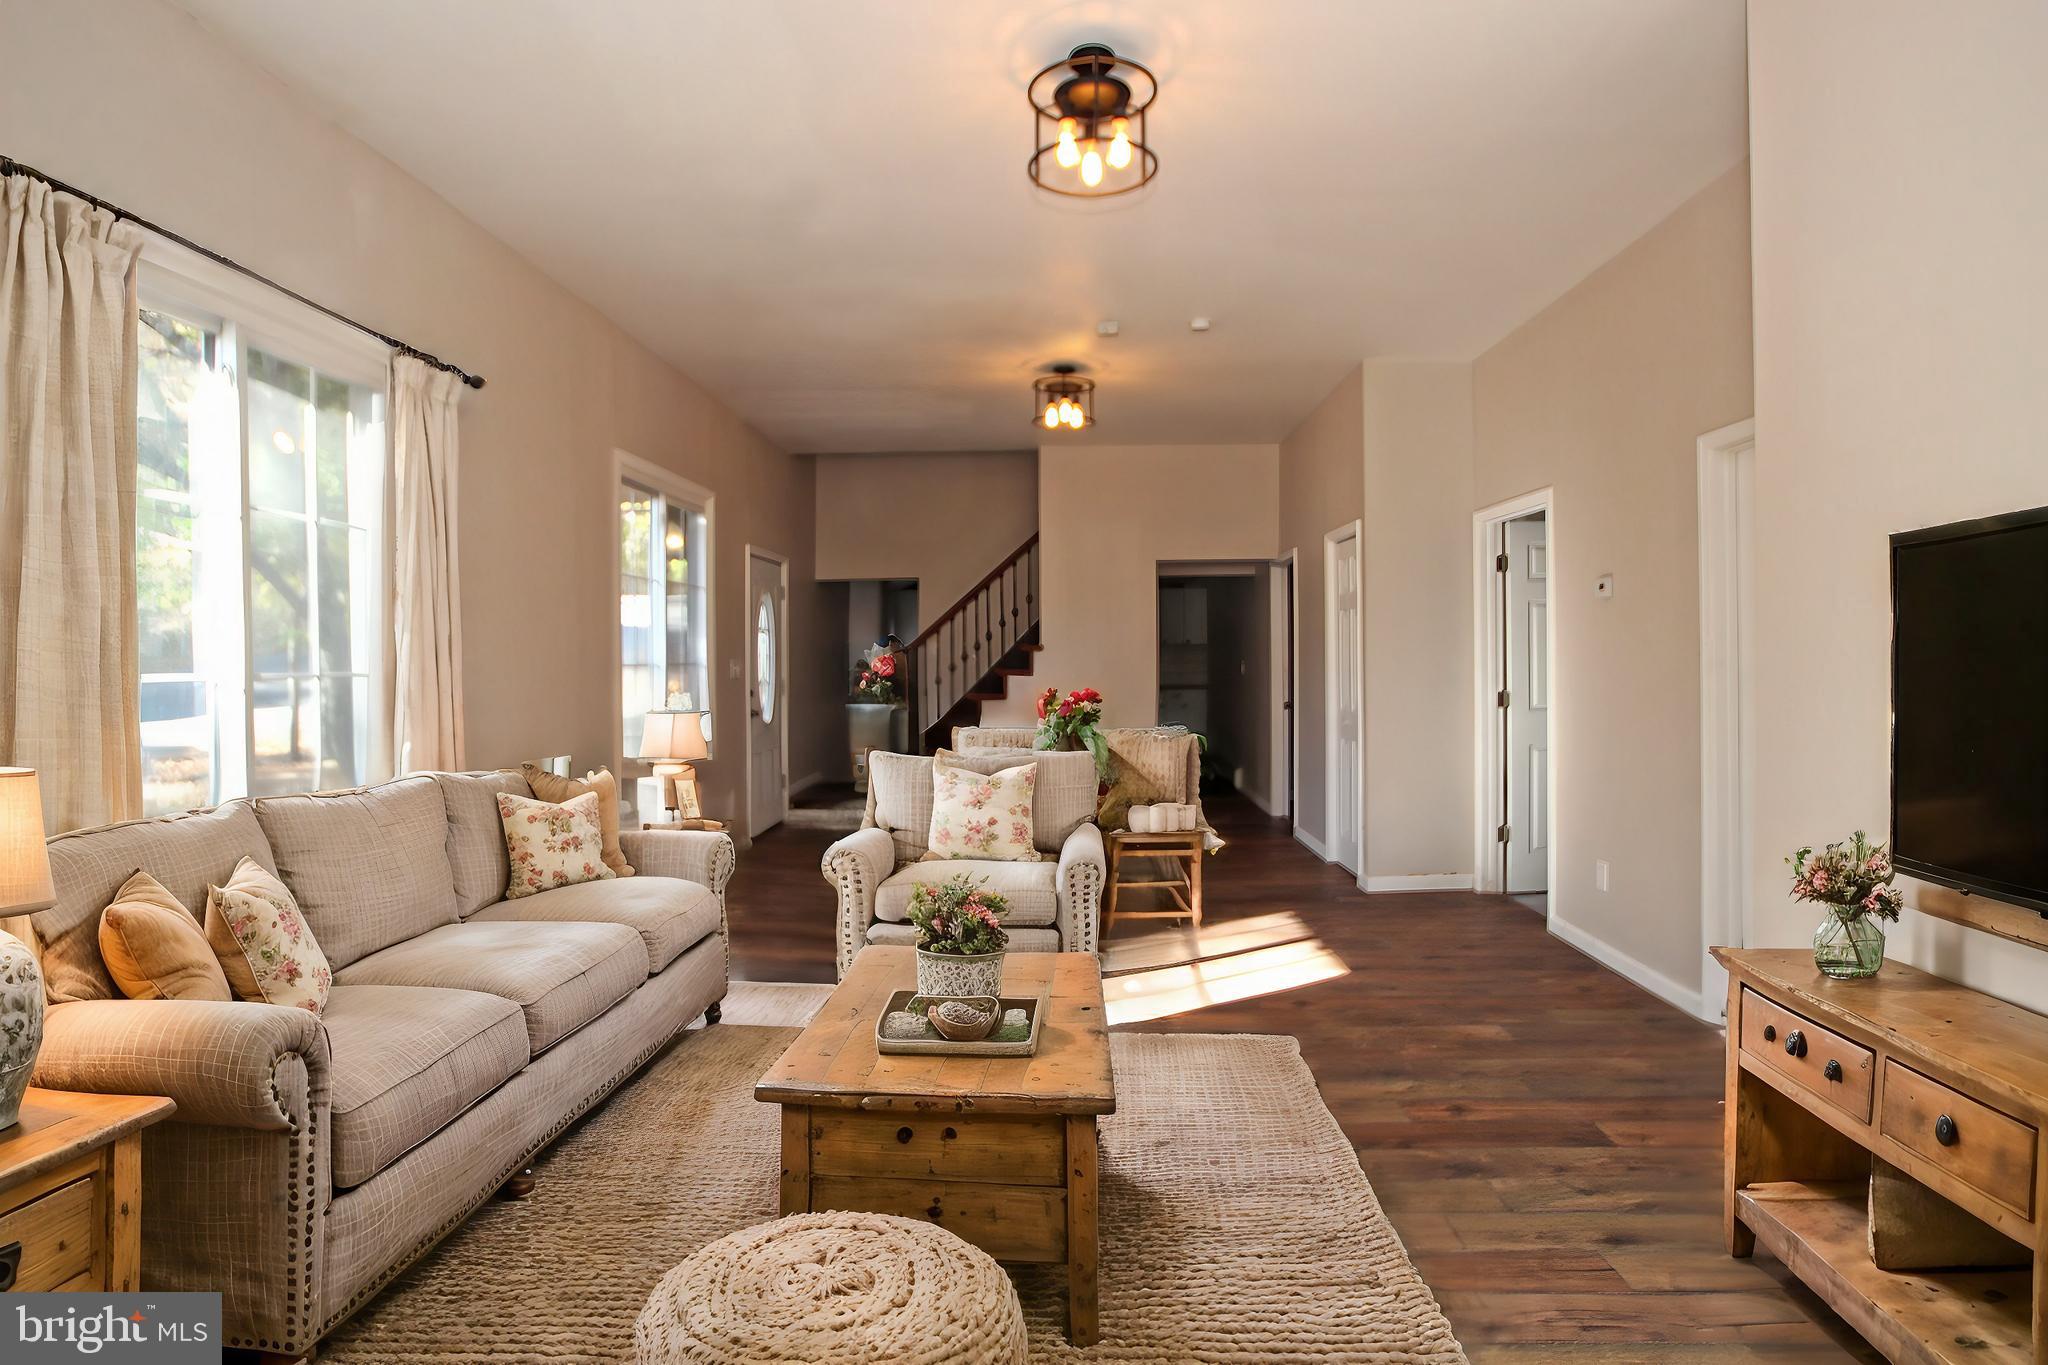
(674, 737)
(24, 862)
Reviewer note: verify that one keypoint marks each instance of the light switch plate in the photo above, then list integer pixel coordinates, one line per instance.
(1600, 874)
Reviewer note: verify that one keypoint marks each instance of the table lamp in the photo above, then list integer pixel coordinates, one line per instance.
(24, 887)
(670, 739)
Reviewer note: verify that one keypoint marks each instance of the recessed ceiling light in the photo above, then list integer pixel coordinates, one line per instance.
(1198, 324)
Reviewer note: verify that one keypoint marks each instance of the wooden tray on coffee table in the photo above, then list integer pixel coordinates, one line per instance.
(937, 1046)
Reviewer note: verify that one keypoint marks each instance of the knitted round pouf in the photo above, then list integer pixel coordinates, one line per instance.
(851, 1288)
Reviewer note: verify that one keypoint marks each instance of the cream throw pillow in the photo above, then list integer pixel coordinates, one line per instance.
(548, 787)
(982, 815)
(264, 944)
(552, 845)
(153, 947)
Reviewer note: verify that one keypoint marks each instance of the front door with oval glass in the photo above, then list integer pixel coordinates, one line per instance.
(768, 721)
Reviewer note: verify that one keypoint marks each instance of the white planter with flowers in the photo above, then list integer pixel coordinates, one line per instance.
(960, 937)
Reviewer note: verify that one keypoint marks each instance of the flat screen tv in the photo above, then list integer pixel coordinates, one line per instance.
(1970, 706)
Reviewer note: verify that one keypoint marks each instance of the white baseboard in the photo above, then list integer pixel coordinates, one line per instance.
(806, 782)
(1311, 843)
(1427, 881)
(1650, 979)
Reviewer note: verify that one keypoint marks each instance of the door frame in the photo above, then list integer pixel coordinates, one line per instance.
(781, 561)
(1489, 757)
(1727, 465)
(1353, 530)
(1283, 679)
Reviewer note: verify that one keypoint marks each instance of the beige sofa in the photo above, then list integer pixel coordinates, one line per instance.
(1054, 903)
(312, 1158)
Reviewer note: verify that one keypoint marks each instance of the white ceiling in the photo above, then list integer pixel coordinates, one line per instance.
(819, 208)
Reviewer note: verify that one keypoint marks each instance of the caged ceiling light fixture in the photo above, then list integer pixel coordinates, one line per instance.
(1088, 117)
(1063, 400)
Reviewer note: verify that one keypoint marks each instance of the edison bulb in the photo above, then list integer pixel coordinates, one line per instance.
(1067, 154)
(1052, 416)
(1120, 143)
(1076, 418)
(1091, 166)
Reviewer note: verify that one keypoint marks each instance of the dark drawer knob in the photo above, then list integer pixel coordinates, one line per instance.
(1770, 1033)
(1833, 1070)
(1795, 1043)
(903, 1135)
(10, 1265)
(1945, 1131)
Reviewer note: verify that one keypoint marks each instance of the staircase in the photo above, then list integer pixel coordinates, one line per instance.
(968, 654)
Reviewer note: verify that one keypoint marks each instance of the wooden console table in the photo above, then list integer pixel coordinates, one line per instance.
(1947, 1084)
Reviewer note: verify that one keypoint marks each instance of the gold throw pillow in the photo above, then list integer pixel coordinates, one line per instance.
(153, 947)
(555, 790)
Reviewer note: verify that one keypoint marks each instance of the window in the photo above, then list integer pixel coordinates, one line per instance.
(664, 601)
(259, 576)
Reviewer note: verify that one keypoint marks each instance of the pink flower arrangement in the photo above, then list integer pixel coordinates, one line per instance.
(1852, 879)
(959, 917)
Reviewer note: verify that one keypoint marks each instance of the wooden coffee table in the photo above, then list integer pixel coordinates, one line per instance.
(1000, 1150)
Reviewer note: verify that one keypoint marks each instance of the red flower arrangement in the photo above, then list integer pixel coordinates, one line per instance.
(1073, 722)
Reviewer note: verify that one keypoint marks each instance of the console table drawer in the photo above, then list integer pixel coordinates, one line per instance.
(1824, 1062)
(1986, 1150)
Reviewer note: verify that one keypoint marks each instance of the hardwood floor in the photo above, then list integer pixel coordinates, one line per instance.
(1544, 1135)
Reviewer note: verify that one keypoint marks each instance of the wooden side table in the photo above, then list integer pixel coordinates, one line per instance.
(71, 1191)
(1171, 863)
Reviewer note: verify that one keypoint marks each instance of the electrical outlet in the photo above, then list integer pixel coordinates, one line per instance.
(1603, 586)
(1600, 874)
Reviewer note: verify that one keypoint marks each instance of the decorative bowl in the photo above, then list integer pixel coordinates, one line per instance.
(967, 1020)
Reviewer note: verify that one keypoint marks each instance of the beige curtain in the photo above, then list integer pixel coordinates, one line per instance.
(427, 686)
(68, 681)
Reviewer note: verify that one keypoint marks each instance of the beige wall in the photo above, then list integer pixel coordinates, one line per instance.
(1602, 397)
(1901, 171)
(942, 519)
(1108, 516)
(235, 161)
(1418, 619)
(1322, 488)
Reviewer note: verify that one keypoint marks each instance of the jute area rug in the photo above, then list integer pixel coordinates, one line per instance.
(1236, 1224)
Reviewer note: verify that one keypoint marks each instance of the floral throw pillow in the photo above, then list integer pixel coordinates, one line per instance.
(982, 815)
(552, 845)
(264, 944)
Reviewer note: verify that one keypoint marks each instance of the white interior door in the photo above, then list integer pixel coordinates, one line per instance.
(767, 695)
(1527, 750)
(1346, 726)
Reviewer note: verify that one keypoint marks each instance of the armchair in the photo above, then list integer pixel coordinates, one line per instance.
(1054, 903)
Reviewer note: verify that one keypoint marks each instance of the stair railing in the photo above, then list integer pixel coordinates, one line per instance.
(954, 655)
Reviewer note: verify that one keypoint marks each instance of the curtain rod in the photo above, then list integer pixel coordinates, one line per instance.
(9, 166)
